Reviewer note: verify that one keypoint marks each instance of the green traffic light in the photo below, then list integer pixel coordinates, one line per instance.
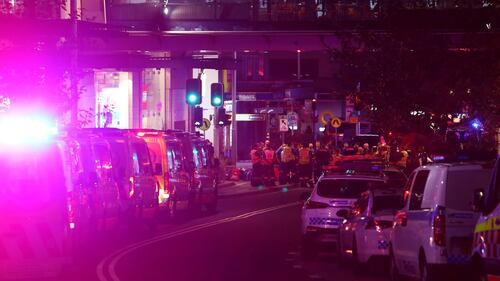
(192, 98)
(216, 101)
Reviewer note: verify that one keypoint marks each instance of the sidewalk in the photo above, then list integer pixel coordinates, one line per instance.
(230, 189)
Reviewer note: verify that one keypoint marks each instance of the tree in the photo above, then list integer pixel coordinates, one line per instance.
(430, 75)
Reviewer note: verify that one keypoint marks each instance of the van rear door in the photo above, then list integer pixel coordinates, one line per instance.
(34, 226)
(460, 218)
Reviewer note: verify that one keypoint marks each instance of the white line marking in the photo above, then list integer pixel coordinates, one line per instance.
(116, 256)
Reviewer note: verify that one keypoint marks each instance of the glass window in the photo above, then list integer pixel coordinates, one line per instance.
(392, 202)
(464, 183)
(119, 155)
(417, 193)
(103, 160)
(342, 188)
(174, 156)
(140, 156)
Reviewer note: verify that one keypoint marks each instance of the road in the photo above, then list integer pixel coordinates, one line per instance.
(253, 237)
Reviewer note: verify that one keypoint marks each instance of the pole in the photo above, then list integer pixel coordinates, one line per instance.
(336, 138)
(234, 125)
(298, 65)
(74, 63)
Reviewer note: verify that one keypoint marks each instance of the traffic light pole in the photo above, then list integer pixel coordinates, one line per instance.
(234, 124)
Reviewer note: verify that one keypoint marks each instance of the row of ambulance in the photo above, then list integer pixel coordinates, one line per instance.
(443, 224)
(58, 188)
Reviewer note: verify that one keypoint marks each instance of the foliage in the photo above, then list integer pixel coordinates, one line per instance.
(400, 72)
(33, 9)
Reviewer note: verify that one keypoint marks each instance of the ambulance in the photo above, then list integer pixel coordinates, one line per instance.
(486, 246)
(35, 228)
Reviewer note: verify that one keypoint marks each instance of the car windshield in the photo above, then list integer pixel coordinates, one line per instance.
(386, 202)
(346, 188)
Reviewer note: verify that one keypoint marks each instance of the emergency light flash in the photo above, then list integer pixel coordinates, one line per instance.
(18, 130)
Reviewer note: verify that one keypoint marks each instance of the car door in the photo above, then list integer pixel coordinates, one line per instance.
(408, 234)
(178, 176)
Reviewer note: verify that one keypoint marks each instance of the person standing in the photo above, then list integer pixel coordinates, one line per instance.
(256, 158)
(304, 167)
(268, 165)
(287, 161)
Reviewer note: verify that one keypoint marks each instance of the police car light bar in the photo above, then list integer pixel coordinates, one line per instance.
(21, 130)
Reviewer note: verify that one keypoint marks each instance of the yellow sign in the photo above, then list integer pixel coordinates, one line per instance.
(336, 122)
(206, 124)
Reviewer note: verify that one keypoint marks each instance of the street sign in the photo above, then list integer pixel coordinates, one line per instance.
(250, 117)
(293, 120)
(283, 125)
(336, 122)
(206, 124)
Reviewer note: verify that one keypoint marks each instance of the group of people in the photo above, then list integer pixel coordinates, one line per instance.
(288, 163)
(294, 162)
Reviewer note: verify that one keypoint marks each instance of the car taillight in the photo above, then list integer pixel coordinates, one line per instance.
(378, 224)
(315, 205)
(439, 226)
(132, 186)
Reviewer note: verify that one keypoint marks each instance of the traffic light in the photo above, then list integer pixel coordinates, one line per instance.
(314, 105)
(198, 116)
(193, 91)
(216, 94)
(222, 117)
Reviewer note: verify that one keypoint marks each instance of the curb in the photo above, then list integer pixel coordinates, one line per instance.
(264, 190)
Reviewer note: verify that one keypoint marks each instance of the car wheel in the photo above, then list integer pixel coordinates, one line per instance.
(393, 269)
(172, 207)
(308, 250)
(359, 267)
(477, 270)
(212, 206)
(425, 273)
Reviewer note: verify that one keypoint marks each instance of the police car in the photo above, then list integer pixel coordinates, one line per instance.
(35, 226)
(333, 193)
(365, 233)
(432, 234)
(486, 246)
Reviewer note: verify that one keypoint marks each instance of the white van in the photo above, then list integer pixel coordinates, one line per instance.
(433, 232)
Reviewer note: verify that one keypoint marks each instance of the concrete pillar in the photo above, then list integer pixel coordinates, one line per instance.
(136, 98)
(179, 114)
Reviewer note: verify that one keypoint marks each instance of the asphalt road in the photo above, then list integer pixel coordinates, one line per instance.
(254, 237)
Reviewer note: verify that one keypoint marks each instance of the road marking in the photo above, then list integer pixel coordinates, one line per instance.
(241, 183)
(108, 264)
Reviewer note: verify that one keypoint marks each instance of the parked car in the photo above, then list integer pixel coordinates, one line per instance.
(485, 253)
(198, 163)
(433, 233)
(133, 170)
(94, 194)
(365, 232)
(333, 195)
(36, 225)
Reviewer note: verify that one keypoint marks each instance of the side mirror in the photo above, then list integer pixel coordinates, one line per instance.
(343, 213)
(478, 202)
(158, 169)
(305, 195)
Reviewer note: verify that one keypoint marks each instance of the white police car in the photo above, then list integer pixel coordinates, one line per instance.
(365, 233)
(432, 234)
(332, 193)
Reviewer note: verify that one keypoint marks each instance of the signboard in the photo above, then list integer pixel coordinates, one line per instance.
(250, 117)
(293, 120)
(206, 124)
(336, 122)
(283, 125)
